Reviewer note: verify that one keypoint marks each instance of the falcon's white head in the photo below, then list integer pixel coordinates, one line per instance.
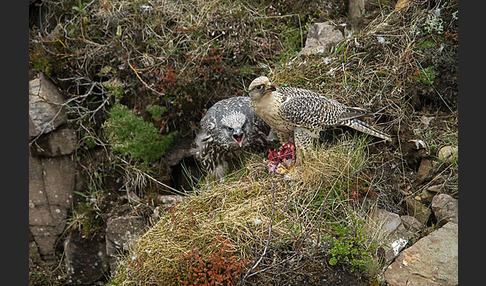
(234, 127)
(259, 87)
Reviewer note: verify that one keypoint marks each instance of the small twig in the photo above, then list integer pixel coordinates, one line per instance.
(274, 265)
(141, 80)
(153, 179)
(247, 274)
(98, 108)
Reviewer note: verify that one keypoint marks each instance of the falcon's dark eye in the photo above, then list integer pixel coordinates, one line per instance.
(230, 129)
(259, 87)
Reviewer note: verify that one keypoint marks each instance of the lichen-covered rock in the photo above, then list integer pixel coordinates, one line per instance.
(62, 141)
(320, 38)
(448, 154)
(395, 235)
(46, 111)
(445, 209)
(120, 232)
(51, 185)
(169, 201)
(85, 259)
(433, 260)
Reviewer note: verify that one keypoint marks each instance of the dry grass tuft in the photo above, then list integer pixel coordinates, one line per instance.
(255, 212)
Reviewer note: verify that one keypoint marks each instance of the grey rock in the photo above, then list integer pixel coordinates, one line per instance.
(418, 210)
(445, 208)
(433, 260)
(394, 234)
(51, 184)
(427, 194)
(46, 239)
(387, 221)
(85, 259)
(356, 10)
(46, 112)
(320, 38)
(426, 169)
(62, 141)
(120, 233)
(434, 189)
(448, 154)
(411, 223)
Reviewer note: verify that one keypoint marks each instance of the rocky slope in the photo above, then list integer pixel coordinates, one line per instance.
(89, 202)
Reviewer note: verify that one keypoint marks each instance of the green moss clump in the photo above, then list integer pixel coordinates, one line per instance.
(128, 133)
(156, 111)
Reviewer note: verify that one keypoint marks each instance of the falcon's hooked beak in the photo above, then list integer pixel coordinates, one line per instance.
(238, 135)
(271, 87)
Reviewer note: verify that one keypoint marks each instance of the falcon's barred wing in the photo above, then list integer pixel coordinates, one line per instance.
(311, 110)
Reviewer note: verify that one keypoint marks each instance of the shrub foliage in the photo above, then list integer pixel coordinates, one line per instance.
(130, 134)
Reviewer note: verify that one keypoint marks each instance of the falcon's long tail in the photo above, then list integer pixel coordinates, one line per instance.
(366, 128)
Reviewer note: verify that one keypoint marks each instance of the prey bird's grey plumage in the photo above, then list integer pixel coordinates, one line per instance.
(227, 128)
(299, 115)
